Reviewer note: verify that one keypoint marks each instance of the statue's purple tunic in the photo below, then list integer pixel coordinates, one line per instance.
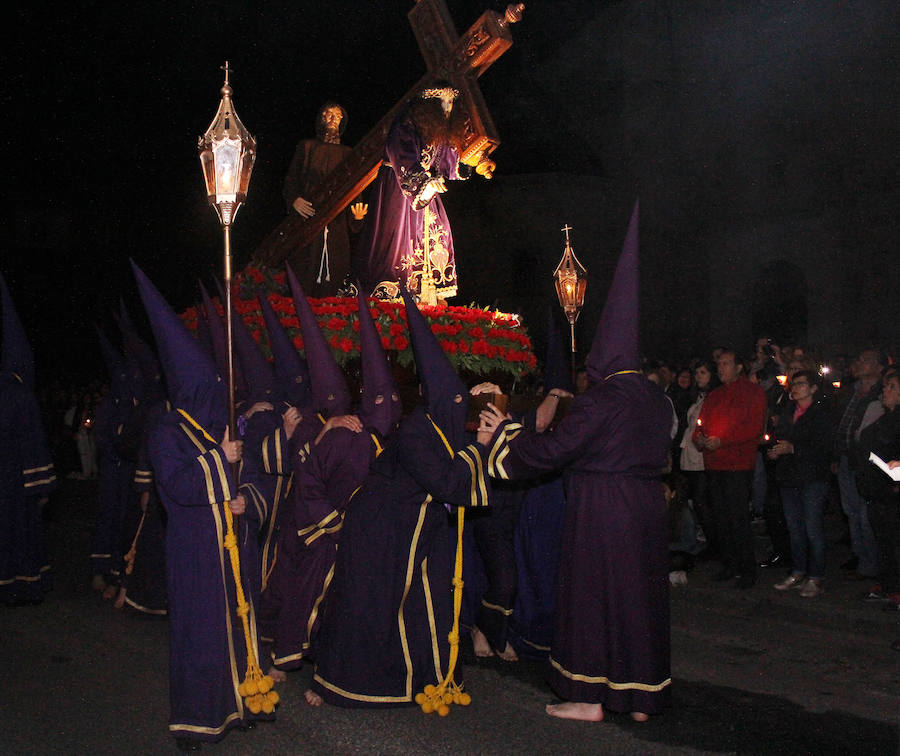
(393, 229)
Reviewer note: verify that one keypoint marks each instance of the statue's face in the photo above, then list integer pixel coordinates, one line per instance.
(332, 118)
(447, 104)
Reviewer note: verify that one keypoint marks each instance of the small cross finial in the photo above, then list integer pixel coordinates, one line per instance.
(227, 69)
(566, 228)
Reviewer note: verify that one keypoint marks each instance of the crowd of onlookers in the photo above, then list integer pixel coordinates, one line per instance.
(774, 438)
(69, 416)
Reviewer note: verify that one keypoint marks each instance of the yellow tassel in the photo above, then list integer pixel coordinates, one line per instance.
(256, 689)
(439, 697)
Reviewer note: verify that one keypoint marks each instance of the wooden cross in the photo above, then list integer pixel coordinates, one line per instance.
(461, 60)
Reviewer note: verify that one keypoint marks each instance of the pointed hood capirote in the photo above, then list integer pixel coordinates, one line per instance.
(557, 369)
(138, 352)
(615, 346)
(194, 384)
(16, 357)
(443, 393)
(291, 371)
(123, 383)
(380, 406)
(329, 387)
(258, 373)
(219, 339)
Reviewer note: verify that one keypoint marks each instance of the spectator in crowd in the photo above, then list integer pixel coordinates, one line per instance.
(731, 423)
(802, 454)
(867, 388)
(881, 494)
(691, 459)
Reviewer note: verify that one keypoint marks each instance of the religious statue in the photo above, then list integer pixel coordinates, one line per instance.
(323, 264)
(407, 243)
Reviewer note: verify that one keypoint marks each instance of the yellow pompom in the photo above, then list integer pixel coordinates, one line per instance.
(251, 686)
(267, 706)
(420, 697)
(265, 684)
(242, 690)
(447, 698)
(443, 710)
(464, 699)
(427, 706)
(273, 697)
(430, 690)
(254, 703)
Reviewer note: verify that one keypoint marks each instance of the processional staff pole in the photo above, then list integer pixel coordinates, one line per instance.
(570, 279)
(227, 154)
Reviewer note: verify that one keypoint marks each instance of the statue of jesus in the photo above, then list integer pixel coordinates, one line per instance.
(406, 242)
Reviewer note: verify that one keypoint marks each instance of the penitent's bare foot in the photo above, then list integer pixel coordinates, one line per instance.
(120, 599)
(509, 654)
(313, 699)
(639, 716)
(276, 674)
(585, 712)
(482, 647)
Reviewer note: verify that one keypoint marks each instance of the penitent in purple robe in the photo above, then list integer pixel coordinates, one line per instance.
(391, 245)
(208, 656)
(309, 538)
(26, 476)
(611, 634)
(388, 611)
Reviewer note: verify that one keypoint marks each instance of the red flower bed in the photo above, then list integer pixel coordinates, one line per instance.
(478, 341)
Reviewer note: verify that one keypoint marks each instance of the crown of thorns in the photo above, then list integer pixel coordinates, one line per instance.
(440, 92)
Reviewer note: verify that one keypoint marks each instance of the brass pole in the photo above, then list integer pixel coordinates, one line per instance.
(572, 326)
(229, 333)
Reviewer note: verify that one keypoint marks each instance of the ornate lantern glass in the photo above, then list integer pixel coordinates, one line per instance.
(227, 154)
(570, 279)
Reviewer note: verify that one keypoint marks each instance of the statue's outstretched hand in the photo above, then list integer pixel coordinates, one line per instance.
(359, 210)
(304, 207)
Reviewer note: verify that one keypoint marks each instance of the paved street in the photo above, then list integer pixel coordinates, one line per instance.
(755, 672)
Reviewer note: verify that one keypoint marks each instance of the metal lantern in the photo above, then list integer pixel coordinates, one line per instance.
(570, 279)
(227, 155)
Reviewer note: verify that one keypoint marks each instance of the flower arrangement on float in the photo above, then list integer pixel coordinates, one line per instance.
(477, 341)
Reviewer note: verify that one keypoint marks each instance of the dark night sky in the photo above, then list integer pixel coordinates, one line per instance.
(103, 105)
